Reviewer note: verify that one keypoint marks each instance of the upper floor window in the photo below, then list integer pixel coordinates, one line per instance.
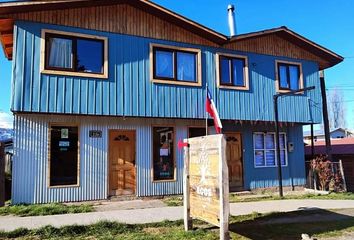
(232, 71)
(74, 54)
(174, 65)
(289, 76)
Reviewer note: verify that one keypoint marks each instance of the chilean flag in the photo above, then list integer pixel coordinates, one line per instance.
(211, 109)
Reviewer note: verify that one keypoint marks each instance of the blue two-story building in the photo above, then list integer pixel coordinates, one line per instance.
(103, 90)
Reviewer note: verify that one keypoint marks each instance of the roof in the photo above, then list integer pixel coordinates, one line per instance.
(339, 146)
(321, 132)
(27, 6)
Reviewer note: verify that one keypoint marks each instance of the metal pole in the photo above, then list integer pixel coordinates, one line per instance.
(206, 114)
(312, 143)
(275, 99)
(325, 116)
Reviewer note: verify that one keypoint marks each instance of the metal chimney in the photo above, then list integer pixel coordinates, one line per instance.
(231, 19)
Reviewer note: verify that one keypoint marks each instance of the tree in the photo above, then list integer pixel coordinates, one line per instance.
(336, 109)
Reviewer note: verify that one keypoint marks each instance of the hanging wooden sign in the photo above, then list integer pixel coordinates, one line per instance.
(206, 183)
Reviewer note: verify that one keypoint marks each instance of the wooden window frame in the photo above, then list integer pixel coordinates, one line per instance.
(174, 153)
(275, 150)
(78, 154)
(277, 77)
(44, 69)
(174, 49)
(245, 71)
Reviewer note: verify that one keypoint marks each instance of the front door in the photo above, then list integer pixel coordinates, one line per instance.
(121, 162)
(234, 160)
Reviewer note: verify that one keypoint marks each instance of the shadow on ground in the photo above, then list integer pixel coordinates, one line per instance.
(292, 224)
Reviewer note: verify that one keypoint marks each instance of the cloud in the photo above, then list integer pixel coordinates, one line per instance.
(6, 120)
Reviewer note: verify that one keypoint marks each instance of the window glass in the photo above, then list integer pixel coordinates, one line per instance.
(270, 156)
(283, 77)
(282, 141)
(282, 157)
(259, 158)
(60, 53)
(225, 77)
(164, 64)
(63, 155)
(294, 77)
(89, 56)
(270, 144)
(163, 153)
(186, 66)
(258, 141)
(196, 132)
(231, 71)
(238, 76)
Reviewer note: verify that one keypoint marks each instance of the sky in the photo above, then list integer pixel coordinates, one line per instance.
(326, 22)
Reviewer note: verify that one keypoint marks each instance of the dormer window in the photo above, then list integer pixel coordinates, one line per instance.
(232, 71)
(175, 65)
(74, 54)
(288, 76)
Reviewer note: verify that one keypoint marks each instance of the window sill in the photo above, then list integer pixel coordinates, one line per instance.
(246, 88)
(276, 166)
(65, 186)
(75, 74)
(167, 180)
(194, 84)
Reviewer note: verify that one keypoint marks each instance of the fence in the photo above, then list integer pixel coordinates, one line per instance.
(330, 178)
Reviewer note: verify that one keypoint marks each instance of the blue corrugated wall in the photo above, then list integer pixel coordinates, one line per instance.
(129, 92)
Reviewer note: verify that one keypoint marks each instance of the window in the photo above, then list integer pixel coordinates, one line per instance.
(289, 76)
(75, 55)
(163, 153)
(196, 132)
(232, 71)
(63, 155)
(174, 65)
(265, 149)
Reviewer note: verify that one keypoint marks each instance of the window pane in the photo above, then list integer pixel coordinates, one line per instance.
(60, 52)
(63, 155)
(164, 64)
(270, 141)
(225, 77)
(258, 141)
(283, 78)
(259, 158)
(294, 77)
(186, 66)
(238, 66)
(282, 157)
(163, 153)
(270, 158)
(89, 56)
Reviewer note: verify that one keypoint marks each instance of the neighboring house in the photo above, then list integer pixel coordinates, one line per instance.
(103, 90)
(342, 149)
(334, 133)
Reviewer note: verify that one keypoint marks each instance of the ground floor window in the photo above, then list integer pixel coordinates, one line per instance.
(265, 149)
(163, 153)
(63, 155)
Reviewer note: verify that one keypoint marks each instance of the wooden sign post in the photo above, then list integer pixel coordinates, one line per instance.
(206, 182)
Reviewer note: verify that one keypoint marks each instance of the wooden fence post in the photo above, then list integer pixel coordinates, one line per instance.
(342, 173)
(2, 175)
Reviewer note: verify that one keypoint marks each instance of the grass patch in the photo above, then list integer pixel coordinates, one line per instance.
(234, 198)
(251, 226)
(44, 209)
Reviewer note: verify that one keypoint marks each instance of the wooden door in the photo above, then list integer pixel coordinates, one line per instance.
(121, 162)
(234, 160)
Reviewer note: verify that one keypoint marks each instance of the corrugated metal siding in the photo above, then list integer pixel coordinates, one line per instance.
(129, 92)
(30, 169)
(30, 161)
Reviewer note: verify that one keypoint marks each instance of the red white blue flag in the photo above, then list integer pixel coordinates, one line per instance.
(213, 112)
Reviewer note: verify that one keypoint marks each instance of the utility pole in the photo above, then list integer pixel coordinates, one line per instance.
(325, 116)
(277, 135)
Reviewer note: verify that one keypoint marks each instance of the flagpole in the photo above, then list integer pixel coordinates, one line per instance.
(206, 114)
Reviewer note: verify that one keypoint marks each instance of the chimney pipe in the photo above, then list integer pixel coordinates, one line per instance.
(231, 19)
